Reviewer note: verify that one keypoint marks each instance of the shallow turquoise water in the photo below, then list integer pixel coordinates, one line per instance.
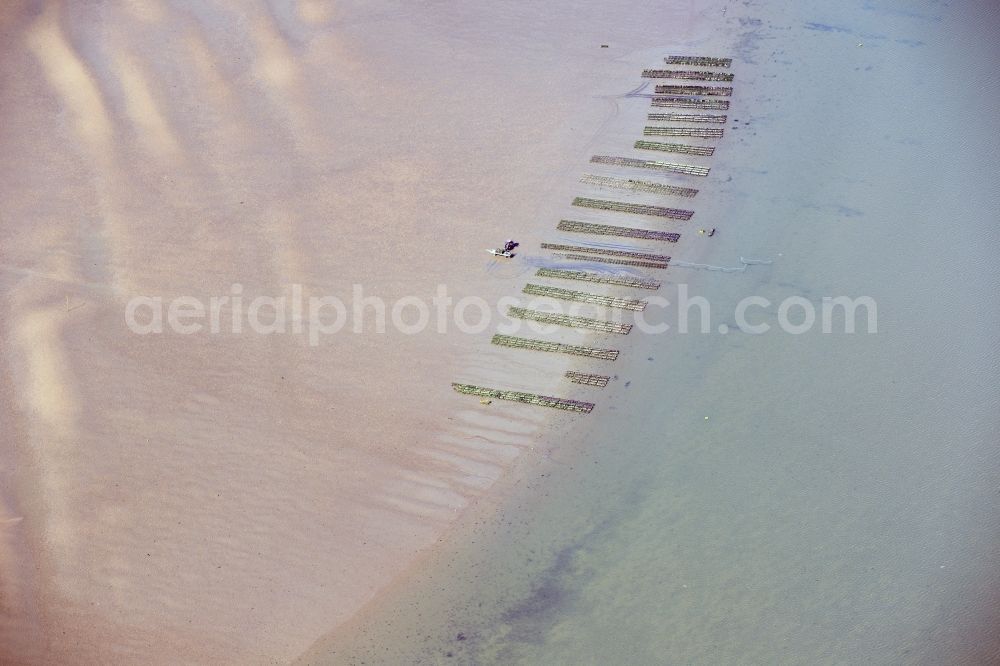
(840, 504)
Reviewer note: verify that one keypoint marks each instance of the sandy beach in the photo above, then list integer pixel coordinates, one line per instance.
(238, 497)
(231, 497)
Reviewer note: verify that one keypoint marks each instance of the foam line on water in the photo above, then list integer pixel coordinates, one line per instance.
(725, 269)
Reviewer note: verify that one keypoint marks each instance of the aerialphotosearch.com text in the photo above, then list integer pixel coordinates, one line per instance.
(320, 316)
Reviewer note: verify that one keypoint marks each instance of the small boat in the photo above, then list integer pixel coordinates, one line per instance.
(500, 252)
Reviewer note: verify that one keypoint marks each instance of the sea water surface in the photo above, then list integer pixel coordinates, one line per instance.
(777, 498)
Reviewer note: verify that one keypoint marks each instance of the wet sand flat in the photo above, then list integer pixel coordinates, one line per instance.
(231, 497)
